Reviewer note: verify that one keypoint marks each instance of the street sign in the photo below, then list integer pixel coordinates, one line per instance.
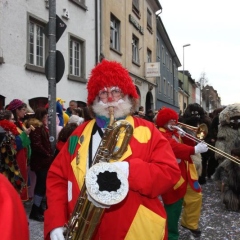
(60, 66)
(60, 28)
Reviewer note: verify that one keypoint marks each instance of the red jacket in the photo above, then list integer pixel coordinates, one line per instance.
(13, 223)
(153, 170)
(183, 154)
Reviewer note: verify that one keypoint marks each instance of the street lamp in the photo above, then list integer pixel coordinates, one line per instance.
(186, 45)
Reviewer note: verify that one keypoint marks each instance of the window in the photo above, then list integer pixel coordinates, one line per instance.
(168, 89)
(36, 45)
(167, 61)
(149, 55)
(76, 58)
(164, 86)
(158, 49)
(176, 98)
(170, 65)
(135, 8)
(80, 3)
(135, 49)
(159, 84)
(163, 55)
(176, 72)
(149, 20)
(115, 33)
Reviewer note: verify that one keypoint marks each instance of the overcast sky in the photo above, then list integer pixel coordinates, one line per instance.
(212, 27)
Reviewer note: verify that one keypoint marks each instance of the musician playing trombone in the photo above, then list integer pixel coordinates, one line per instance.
(148, 164)
(187, 192)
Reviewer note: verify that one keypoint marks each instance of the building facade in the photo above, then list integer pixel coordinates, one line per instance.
(128, 35)
(167, 82)
(24, 48)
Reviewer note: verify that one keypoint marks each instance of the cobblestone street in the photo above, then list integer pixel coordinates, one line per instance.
(216, 223)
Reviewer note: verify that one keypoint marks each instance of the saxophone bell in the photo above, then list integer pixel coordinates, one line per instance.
(106, 183)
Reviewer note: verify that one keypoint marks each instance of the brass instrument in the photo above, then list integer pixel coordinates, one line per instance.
(200, 133)
(86, 217)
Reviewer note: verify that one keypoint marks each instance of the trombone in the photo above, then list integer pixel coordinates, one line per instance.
(201, 132)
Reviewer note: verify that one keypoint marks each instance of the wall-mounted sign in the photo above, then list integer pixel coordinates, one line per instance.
(135, 24)
(152, 69)
(138, 82)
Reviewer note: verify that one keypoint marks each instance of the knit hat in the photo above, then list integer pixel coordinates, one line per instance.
(108, 74)
(164, 115)
(14, 104)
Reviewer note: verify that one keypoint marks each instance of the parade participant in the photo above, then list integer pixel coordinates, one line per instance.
(194, 115)
(227, 173)
(61, 111)
(14, 224)
(148, 162)
(19, 108)
(187, 191)
(41, 159)
(8, 151)
(213, 163)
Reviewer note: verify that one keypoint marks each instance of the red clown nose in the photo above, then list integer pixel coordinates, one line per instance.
(110, 99)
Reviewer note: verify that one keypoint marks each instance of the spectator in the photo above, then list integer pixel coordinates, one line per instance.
(72, 105)
(64, 135)
(149, 115)
(78, 112)
(76, 119)
(19, 108)
(41, 160)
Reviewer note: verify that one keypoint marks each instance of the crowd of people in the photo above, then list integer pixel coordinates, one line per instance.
(164, 167)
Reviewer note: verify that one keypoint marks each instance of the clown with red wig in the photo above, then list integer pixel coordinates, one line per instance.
(187, 191)
(148, 164)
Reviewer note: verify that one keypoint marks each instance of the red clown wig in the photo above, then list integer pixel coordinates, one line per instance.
(164, 115)
(109, 74)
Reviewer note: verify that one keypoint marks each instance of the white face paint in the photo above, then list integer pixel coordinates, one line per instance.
(122, 107)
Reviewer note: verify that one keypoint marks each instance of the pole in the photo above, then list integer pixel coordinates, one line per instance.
(52, 74)
(186, 45)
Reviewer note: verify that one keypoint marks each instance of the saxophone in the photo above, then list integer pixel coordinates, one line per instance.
(86, 216)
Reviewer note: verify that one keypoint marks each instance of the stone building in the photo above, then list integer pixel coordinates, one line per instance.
(24, 49)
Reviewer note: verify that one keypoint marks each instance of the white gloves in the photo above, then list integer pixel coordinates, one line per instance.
(201, 148)
(181, 133)
(123, 166)
(57, 234)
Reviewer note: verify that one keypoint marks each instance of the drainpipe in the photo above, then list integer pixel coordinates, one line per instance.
(96, 31)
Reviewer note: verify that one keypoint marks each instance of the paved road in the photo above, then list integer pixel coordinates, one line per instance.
(216, 223)
(36, 228)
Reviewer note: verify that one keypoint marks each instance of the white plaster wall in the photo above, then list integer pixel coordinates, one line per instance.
(15, 81)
